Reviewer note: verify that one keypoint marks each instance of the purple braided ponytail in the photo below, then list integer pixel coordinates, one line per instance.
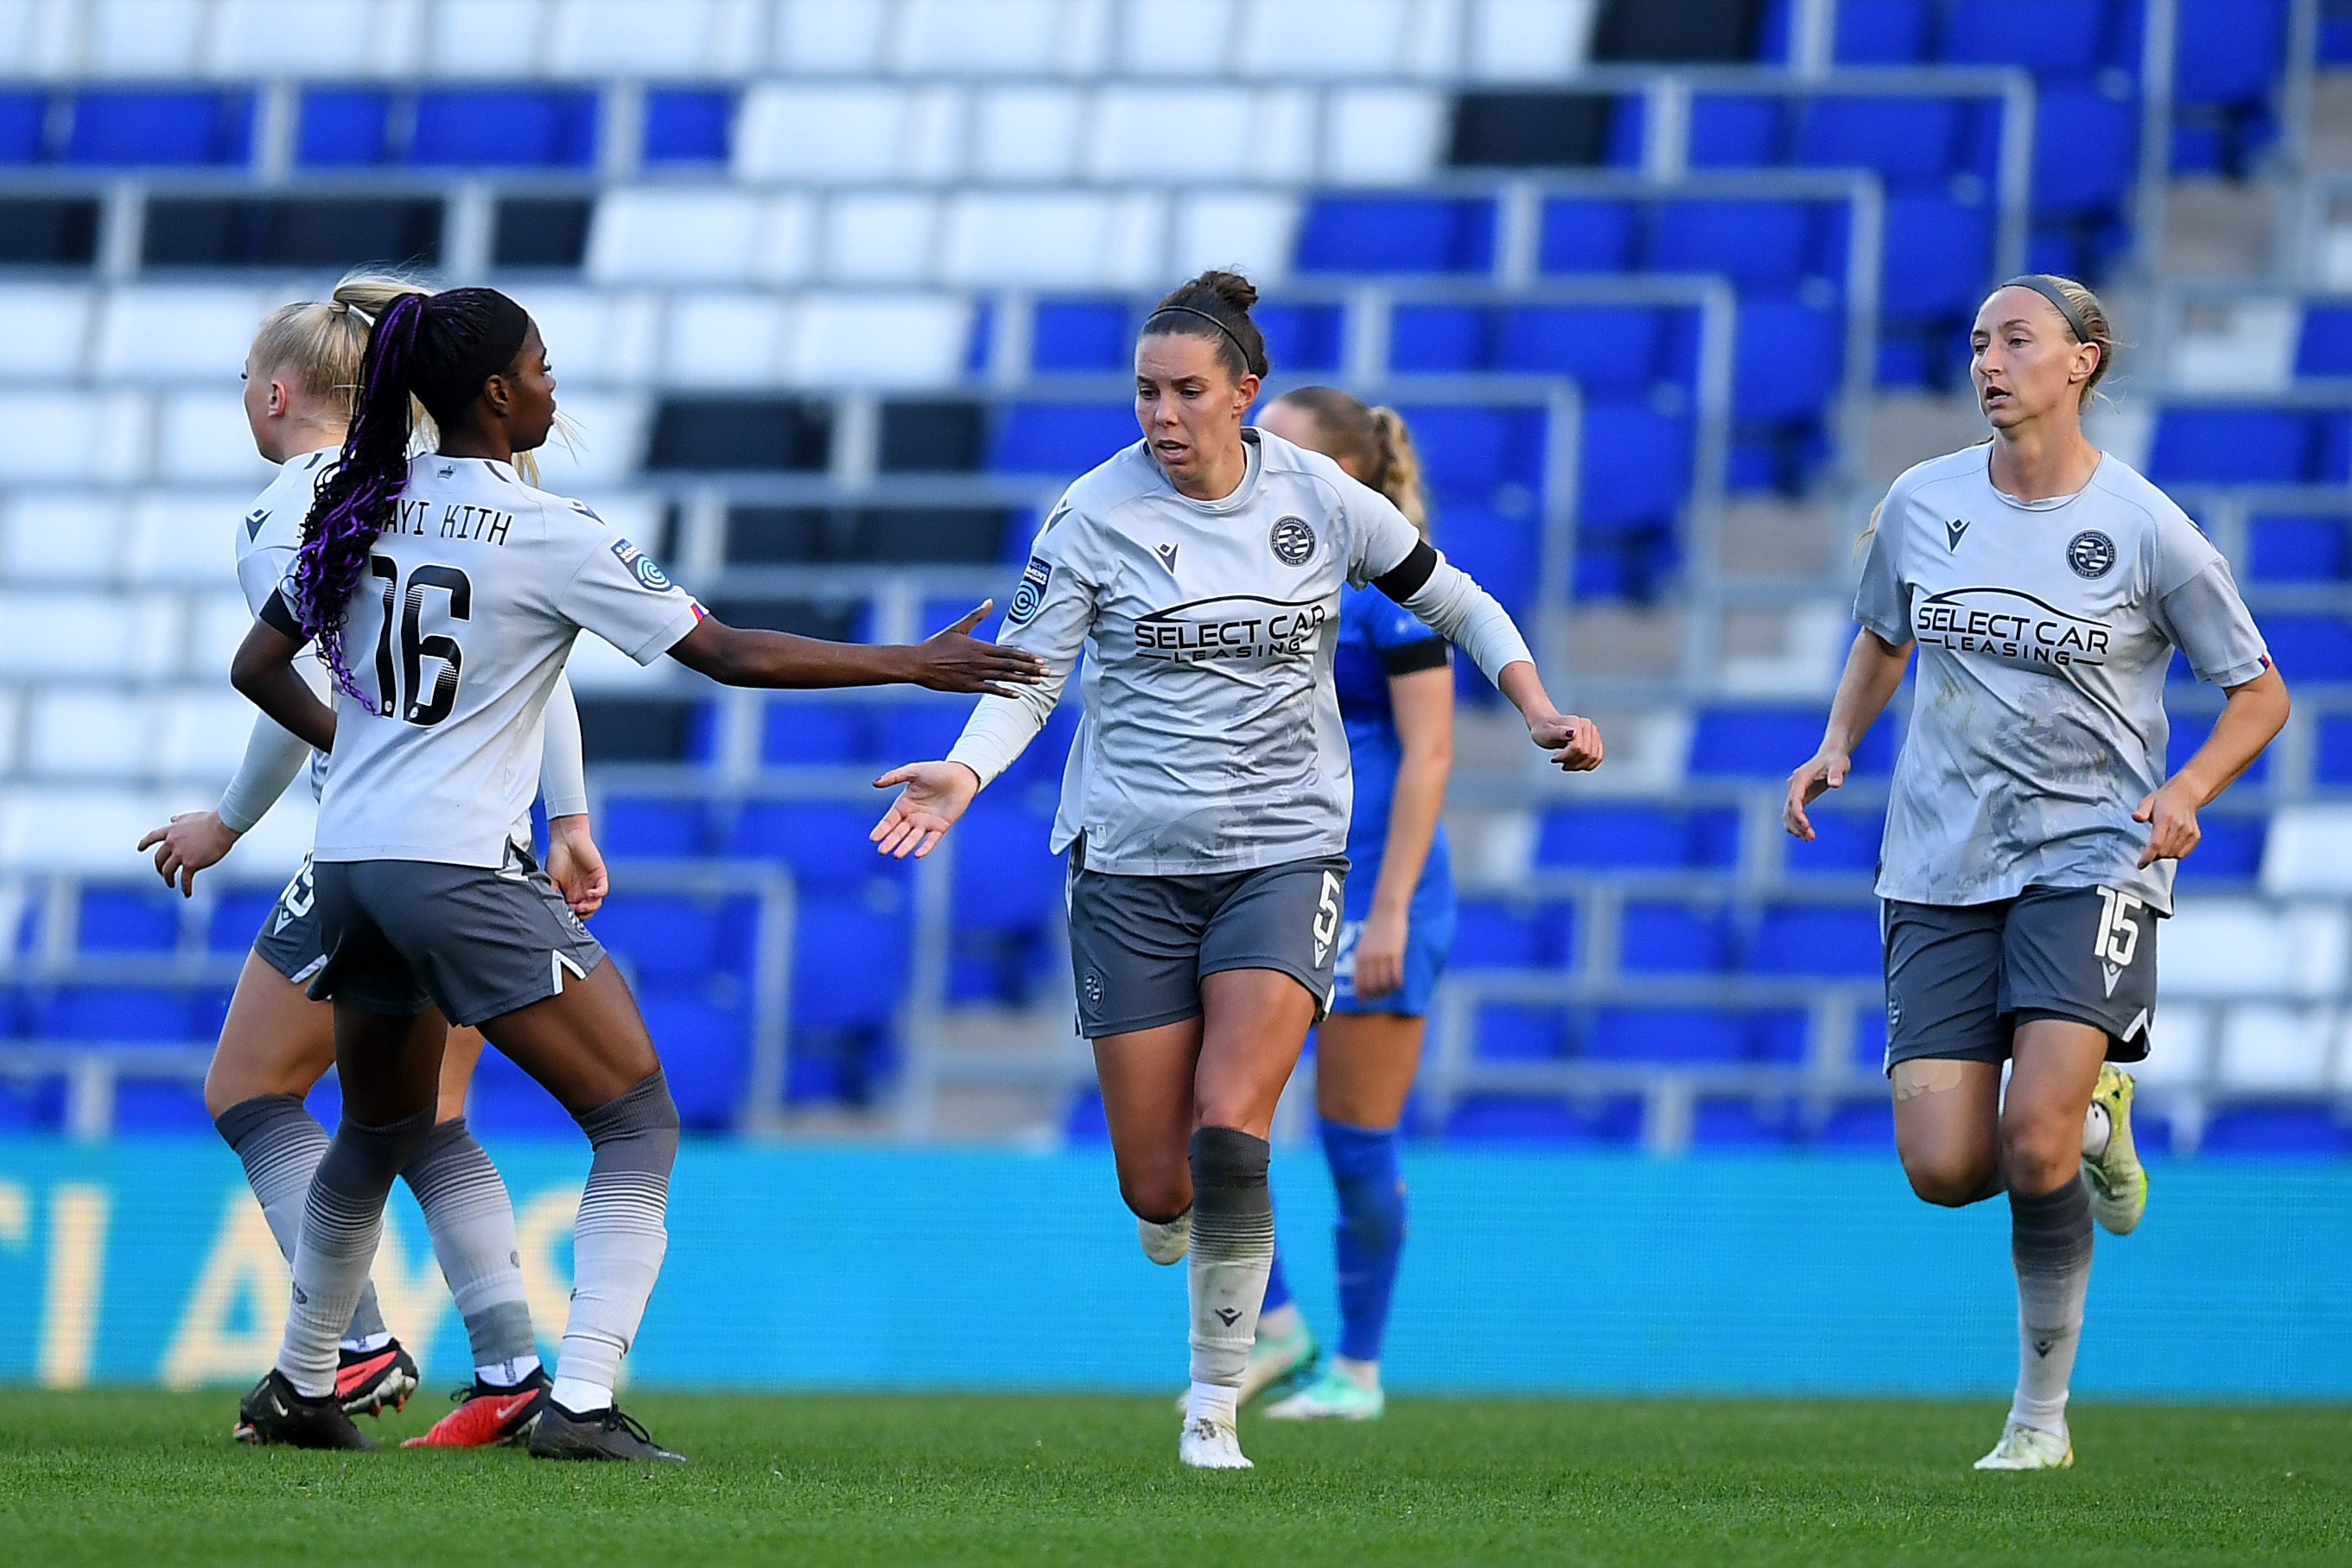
(360, 495)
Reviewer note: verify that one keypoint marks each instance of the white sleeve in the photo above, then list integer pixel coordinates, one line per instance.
(617, 590)
(273, 757)
(563, 774)
(1052, 611)
(1378, 536)
(1454, 606)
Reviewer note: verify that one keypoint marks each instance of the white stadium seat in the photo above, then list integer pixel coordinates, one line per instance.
(1383, 135)
(275, 845)
(1176, 37)
(1062, 239)
(2276, 1050)
(218, 622)
(204, 435)
(826, 131)
(183, 536)
(2237, 947)
(179, 332)
(1001, 37)
(62, 435)
(1528, 40)
(86, 732)
(2309, 849)
(58, 828)
(594, 337)
(308, 38)
(838, 37)
(606, 442)
(59, 536)
(12, 710)
(1026, 133)
(200, 733)
(1171, 135)
(1326, 37)
(142, 38)
(632, 38)
(44, 331)
(2180, 1050)
(724, 340)
(879, 237)
(489, 39)
(878, 340)
(701, 234)
(1245, 229)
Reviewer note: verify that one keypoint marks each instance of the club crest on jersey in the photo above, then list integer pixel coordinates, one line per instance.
(648, 572)
(1953, 530)
(1292, 540)
(2091, 553)
(1030, 596)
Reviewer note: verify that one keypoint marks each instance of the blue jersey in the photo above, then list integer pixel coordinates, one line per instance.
(1379, 638)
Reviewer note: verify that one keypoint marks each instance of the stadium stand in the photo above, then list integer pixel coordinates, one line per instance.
(841, 292)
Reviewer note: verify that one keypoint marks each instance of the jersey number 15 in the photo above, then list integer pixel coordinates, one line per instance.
(423, 707)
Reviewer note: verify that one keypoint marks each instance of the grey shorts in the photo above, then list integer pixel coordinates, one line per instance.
(1141, 946)
(404, 936)
(288, 939)
(1959, 980)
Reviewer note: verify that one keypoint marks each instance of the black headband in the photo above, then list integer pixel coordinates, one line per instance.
(2050, 292)
(490, 354)
(1212, 320)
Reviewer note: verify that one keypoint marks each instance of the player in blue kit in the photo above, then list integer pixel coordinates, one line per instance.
(1396, 698)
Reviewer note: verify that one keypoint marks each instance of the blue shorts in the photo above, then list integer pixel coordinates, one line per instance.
(1428, 940)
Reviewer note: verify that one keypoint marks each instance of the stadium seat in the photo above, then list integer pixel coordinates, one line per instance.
(1510, 1032)
(1771, 741)
(161, 1107)
(1064, 439)
(2275, 1131)
(1673, 939)
(94, 1012)
(505, 1102)
(1529, 1119)
(2310, 647)
(2231, 848)
(1583, 235)
(1858, 1124)
(807, 734)
(2045, 37)
(1884, 32)
(1298, 337)
(2324, 346)
(671, 939)
(129, 920)
(1081, 335)
(706, 1051)
(2246, 447)
(2275, 1050)
(1723, 1124)
(159, 127)
(2297, 550)
(1729, 131)
(236, 916)
(1004, 901)
(1846, 842)
(1499, 934)
(823, 841)
(1676, 1034)
(688, 125)
(635, 825)
(1663, 837)
(1759, 245)
(33, 1106)
(1817, 939)
(1397, 234)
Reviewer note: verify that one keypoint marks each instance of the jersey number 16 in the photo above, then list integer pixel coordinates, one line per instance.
(423, 707)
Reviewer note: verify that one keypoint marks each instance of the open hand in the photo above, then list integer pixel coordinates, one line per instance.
(936, 794)
(1380, 954)
(187, 844)
(2171, 816)
(1574, 743)
(1827, 770)
(576, 866)
(953, 661)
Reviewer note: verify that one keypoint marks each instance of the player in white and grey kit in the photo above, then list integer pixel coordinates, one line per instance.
(446, 594)
(276, 1043)
(1204, 808)
(2032, 834)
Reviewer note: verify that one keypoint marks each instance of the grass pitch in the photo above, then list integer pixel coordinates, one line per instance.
(99, 1478)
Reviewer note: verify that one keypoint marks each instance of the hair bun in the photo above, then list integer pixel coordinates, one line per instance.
(1230, 287)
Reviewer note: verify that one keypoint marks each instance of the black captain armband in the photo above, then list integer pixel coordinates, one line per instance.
(278, 617)
(1421, 653)
(1405, 578)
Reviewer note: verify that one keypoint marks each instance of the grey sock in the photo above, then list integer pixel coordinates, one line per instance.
(341, 1224)
(2050, 1242)
(472, 1220)
(618, 1241)
(1232, 1250)
(280, 1144)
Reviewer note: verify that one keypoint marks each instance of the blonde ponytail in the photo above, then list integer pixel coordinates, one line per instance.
(1371, 442)
(1398, 467)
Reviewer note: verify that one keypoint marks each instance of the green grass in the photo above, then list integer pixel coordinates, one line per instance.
(99, 1478)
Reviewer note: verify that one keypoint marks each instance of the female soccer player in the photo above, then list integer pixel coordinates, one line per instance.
(445, 594)
(2031, 834)
(1396, 701)
(277, 1043)
(1205, 805)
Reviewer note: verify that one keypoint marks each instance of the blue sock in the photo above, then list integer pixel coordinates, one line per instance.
(1277, 1289)
(1370, 1231)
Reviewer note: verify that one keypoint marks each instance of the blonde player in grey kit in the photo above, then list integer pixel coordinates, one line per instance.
(1204, 808)
(2032, 834)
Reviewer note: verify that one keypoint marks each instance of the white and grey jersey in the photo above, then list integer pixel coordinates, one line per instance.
(2045, 630)
(1211, 740)
(456, 636)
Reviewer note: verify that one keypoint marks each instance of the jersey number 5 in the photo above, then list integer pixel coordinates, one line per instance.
(423, 708)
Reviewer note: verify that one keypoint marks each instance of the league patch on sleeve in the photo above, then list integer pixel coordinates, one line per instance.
(648, 572)
(1030, 596)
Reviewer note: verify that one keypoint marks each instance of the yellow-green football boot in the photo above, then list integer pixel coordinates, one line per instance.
(2116, 1180)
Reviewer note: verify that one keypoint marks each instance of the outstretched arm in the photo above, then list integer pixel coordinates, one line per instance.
(950, 662)
(1873, 669)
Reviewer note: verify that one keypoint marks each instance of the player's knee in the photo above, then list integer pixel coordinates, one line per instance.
(1158, 1195)
(1947, 1177)
(2039, 1148)
(638, 1130)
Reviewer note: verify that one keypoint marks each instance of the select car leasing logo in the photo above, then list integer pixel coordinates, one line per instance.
(1232, 626)
(2009, 624)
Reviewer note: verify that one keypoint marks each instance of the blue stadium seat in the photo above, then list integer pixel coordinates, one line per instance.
(2297, 550)
(2332, 763)
(156, 1106)
(810, 734)
(849, 964)
(1397, 234)
(159, 127)
(2232, 445)
(1913, 141)
(1817, 939)
(1675, 938)
(1862, 1125)
(1604, 348)
(1721, 1123)
(1439, 339)
(918, 731)
(1870, 1040)
(2085, 148)
(823, 841)
(2310, 647)
(645, 825)
(1729, 131)
(2231, 849)
(1506, 554)
(1498, 934)
(2046, 37)
(32, 1105)
(1469, 451)
(238, 914)
(1884, 32)
(1081, 335)
(505, 1102)
(688, 125)
(2324, 347)
(543, 128)
(706, 1051)
(1765, 244)
(1669, 1034)
(344, 127)
(681, 938)
(128, 919)
(2277, 1132)
(2189, 733)
(1060, 438)
(1633, 473)
(1513, 1031)
(1846, 842)
(113, 1013)
(1302, 338)
(1006, 897)
(1768, 742)
(1787, 365)
(1577, 234)
(1939, 255)
(1664, 836)
(23, 127)
(1537, 1119)
(1083, 1121)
